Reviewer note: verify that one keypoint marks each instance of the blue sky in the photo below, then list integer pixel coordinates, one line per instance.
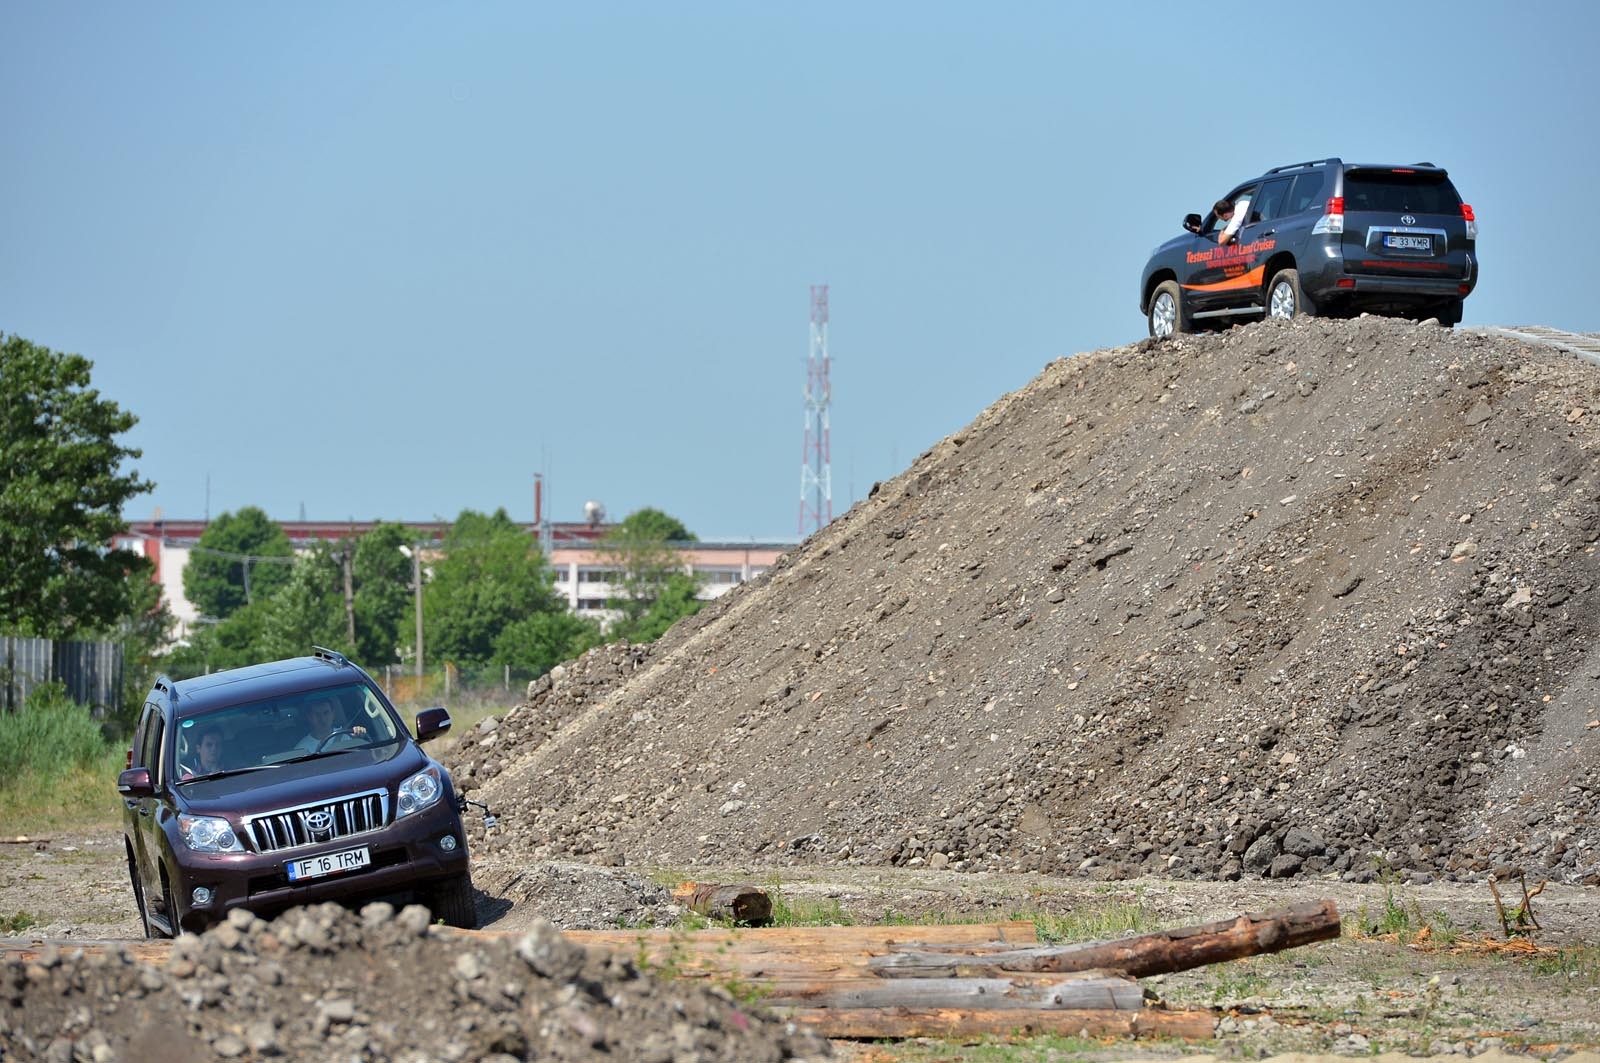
(390, 260)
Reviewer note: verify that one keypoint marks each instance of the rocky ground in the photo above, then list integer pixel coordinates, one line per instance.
(1292, 599)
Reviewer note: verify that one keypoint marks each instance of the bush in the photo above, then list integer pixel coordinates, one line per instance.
(51, 734)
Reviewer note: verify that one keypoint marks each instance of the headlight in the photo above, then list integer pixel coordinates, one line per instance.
(419, 791)
(209, 834)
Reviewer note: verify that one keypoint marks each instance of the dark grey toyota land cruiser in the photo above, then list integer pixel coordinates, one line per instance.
(1329, 238)
(282, 784)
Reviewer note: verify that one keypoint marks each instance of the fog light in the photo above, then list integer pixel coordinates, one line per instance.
(448, 843)
(201, 896)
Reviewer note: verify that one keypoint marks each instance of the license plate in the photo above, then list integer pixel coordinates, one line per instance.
(1401, 242)
(328, 864)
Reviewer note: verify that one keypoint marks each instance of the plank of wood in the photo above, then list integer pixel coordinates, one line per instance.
(1112, 994)
(1002, 935)
(874, 1023)
(1174, 950)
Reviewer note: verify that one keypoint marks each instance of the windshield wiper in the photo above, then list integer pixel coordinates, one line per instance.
(225, 774)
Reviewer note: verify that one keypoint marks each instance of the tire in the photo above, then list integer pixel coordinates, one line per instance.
(138, 901)
(171, 906)
(1167, 315)
(453, 901)
(1285, 298)
(1449, 314)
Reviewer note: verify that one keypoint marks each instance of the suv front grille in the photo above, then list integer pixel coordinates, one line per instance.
(322, 821)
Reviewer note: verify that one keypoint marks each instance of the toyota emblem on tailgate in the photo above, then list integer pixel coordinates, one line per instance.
(318, 822)
(1408, 219)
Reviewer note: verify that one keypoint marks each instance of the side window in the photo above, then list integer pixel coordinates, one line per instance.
(154, 732)
(1307, 192)
(1269, 202)
(140, 733)
(1242, 197)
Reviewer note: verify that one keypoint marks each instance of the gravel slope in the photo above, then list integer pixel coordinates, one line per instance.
(1297, 598)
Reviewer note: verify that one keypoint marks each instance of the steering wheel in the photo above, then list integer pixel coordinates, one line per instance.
(331, 735)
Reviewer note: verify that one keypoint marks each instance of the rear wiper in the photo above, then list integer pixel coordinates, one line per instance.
(225, 774)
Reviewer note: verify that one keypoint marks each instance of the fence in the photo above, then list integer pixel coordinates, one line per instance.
(90, 671)
(443, 686)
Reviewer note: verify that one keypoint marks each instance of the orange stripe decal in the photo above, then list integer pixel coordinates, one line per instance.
(1252, 279)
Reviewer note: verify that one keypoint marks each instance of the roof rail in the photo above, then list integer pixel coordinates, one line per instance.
(1298, 165)
(322, 653)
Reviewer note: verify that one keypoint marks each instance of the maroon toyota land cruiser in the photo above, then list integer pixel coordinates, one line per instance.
(287, 783)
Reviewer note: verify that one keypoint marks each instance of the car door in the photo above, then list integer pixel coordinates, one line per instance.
(144, 811)
(1214, 281)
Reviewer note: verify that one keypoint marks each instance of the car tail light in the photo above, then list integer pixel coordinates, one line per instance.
(1345, 282)
(1463, 288)
(1472, 221)
(1332, 220)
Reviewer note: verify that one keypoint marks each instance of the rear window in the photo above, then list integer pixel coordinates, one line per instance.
(1394, 193)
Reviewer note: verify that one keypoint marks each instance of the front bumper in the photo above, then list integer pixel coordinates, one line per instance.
(406, 857)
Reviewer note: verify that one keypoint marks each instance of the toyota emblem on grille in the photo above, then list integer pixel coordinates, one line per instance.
(318, 822)
(1408, 219)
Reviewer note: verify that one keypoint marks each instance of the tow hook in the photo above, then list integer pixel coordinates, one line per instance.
(488, 817)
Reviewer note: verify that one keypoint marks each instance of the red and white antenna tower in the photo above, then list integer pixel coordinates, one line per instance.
(816, 479)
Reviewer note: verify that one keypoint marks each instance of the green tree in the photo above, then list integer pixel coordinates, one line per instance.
(540, 641)
(648, 568)
(489, 575)
(384, 599)
(240, 558)
(233, 642)
(61, 497)
(308, 611)
(675, 599)
(651, 523)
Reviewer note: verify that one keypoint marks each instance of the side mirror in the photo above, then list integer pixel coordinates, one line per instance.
(431, 723)
(135, 782)
(1191, 222)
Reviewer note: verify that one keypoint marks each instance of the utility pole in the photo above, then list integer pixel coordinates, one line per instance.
(349, 598)
(416, 583)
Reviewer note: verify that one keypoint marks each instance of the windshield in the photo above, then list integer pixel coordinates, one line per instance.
(266, 733)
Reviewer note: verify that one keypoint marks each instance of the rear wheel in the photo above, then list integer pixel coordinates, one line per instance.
(1168, 316)
(1449, 314)
(1285, 299)
(453, 902)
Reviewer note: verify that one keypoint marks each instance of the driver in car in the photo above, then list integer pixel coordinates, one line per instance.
(322, 716)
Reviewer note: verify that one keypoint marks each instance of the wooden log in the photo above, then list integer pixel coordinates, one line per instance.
(1174, 950)
(743, 904)
(1099, 992)
(874, 1023)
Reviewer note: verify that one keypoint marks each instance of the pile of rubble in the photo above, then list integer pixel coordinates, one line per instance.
(1316, 597)
(324, 983)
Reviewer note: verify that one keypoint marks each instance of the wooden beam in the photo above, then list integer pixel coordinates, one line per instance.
(1059, 992)
(1174, 950)
(873, 1023)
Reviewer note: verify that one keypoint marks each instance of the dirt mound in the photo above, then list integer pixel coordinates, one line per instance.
(1310, 597)
(323, 983)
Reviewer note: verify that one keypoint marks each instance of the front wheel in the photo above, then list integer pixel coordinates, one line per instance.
(1168, 316)
(453, 902)
(1285, 299)
(138, 900)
